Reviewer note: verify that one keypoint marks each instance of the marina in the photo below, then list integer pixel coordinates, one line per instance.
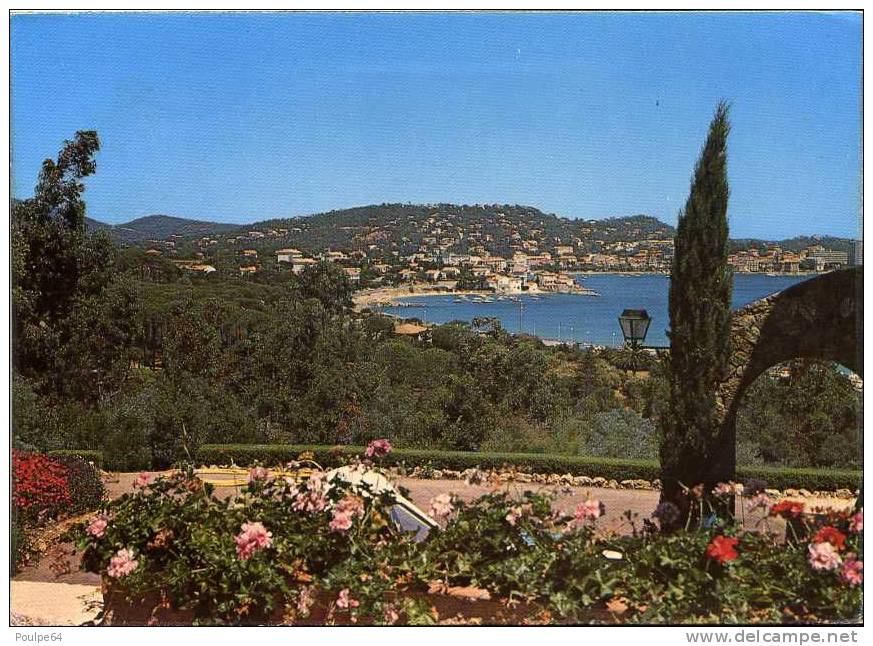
(578, 317)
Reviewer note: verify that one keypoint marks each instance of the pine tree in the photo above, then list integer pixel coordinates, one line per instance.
(694, 449)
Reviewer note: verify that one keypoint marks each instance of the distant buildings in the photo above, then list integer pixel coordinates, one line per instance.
(858, 253)
(288, 255)
(299, 264)
(773, 259)
(827, 258)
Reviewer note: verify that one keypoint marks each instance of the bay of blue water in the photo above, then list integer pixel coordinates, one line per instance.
(585, 319)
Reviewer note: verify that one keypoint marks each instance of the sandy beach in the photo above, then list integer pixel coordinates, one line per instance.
(386, 296)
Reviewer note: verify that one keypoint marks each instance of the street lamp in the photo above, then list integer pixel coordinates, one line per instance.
(634, 326)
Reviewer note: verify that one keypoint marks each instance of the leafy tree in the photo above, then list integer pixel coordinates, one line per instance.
(327, 283)
(694, 448)
(54, 261)
(104, 332)
(809, 418)
(467, 280)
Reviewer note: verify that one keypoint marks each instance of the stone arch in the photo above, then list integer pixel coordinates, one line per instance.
(821, 318)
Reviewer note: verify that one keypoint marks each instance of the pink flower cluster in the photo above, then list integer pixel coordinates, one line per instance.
(313, 497)
(345, 602)
(728, 489)
(824, 556)
(122, 564)
(825, 548)
(344, 513)
(441, 506)
(856, 523)
(305, 601)
(142, 480)
(378, 448)
(589, 510)
(759, 501)
(515, 512)
(853, 570)
(253, 537)
(258, 473)
(97, 526)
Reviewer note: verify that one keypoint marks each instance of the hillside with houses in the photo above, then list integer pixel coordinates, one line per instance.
(503, 248)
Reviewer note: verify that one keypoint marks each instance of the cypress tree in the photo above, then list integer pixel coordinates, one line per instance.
(694, 449)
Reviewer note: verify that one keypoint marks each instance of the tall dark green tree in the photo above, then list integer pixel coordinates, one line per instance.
(694, 447)
(54, 261)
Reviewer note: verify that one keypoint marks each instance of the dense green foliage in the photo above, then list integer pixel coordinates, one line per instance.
(120, 351)
(693, 449)
(809, 417)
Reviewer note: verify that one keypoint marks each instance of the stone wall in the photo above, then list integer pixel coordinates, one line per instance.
(821, 318)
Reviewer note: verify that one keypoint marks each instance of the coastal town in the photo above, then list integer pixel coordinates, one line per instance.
(499, 249)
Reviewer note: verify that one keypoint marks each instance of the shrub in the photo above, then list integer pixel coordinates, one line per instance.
(84, 482)
(94, 457)
(19, 542)
(621, 433)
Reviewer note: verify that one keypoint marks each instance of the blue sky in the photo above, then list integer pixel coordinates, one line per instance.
(240, 117)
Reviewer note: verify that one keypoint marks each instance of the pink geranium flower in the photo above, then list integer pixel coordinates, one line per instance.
(852, 571)
(441, 506)
(97, 526)
(258, 473)
(378, 448)
(142, 480)
(759, 501)
(346, 602)
(589, 510)
(514, 514)
(304, 601)
(253, 537)
(728, 489)
(345, 511)
(856, 524)
(824, 556)
(390, 614)
(122, 564)
(313, 497)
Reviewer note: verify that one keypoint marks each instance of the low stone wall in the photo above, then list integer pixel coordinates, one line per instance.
(498, 477)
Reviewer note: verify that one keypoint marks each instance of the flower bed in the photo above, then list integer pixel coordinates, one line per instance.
(47, 488)
(327, 552)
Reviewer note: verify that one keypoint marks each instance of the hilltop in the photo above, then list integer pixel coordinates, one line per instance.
(402, 226)
(159, 227)
(397, 230)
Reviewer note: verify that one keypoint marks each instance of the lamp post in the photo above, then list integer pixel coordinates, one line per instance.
(634, 326)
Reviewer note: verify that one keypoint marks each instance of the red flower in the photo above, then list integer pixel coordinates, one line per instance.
(40, 485)
(787, 508)
(722, 549)
(832, 535)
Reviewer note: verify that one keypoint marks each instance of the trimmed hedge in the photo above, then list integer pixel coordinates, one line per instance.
(88, 456)
(811, 479)
(614, 469)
